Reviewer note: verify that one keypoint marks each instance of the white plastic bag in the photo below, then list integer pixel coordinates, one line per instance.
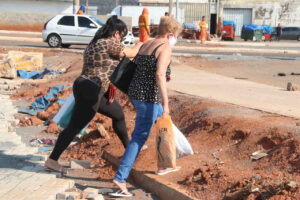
(62, 118)
(183, 147)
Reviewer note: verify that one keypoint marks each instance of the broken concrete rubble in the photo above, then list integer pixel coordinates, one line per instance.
(8, 69)
(29, 61)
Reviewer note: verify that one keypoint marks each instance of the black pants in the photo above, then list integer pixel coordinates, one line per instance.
(86, 95)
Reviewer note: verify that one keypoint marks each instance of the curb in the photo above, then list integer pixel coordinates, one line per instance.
(163, 189)
(39, 49)
(236, 50)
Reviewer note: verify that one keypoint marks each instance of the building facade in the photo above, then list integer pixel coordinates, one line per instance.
(37, 6)
(261, 12)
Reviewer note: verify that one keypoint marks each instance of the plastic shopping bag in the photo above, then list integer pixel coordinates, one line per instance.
(183, 147)
(63, 117)
(165, 143)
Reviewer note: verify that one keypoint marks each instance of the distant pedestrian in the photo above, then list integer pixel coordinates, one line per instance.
(81, 10)
(219, 27)
(203, 30)
(278, 32)
(144, 26)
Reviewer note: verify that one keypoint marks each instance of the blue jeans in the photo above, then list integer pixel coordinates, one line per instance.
(146, 115)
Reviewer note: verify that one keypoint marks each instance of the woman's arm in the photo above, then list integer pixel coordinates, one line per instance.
(162, 65)
(130, 52)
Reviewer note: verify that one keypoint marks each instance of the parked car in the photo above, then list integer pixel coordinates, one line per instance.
(66, 30)
(288, 33)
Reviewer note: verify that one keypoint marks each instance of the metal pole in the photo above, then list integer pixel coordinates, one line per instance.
(177, 9)
(87, 6)
(75, 6)
(170, 7)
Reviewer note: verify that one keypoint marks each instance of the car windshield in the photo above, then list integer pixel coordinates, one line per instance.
(99, 21)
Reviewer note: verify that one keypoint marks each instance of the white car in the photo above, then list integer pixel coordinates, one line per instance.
(65, 30)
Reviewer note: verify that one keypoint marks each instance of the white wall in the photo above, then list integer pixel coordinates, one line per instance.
(50, 6)
(286, 12)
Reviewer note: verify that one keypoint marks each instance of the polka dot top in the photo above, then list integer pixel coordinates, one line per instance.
(143, 86)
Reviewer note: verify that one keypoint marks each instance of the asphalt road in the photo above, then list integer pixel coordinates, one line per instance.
(19, 43)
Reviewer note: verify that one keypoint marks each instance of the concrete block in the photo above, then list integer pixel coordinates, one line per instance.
(7, 70)
(26, 60)
(91, 190)
(61, 196)
(95, 197)
(80, 164)
(105, 190)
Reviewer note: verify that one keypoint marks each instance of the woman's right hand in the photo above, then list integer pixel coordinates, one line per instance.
(166, 110)
(131, 52)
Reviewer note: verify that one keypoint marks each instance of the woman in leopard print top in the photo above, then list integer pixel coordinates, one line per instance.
(91, 88)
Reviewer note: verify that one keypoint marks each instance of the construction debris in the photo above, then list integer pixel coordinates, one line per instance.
(258, 155)
(292, 87)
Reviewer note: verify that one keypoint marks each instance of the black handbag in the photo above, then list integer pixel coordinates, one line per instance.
(123, 74)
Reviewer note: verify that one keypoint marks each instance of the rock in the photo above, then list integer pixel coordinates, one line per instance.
(8, 69)
(53, 128)
(292, 87)
(258, 155)
(81, 164)
(36, 121)
(103, 133)
(105, 190)
(255, 190)
(95, 197)
(281, 74)
(91, 190)
(68, 196)
(291, 186)
(61, 196)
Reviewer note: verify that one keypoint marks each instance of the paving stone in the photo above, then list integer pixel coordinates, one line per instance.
(21, 176)
(95, 197)
(91, 190)
(80, 164)
(105, 190)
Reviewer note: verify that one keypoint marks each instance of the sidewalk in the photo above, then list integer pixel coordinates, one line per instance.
(22, 175)
(240, 92)
(287, 43)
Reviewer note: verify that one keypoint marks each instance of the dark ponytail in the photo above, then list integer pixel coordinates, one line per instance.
(112, 25)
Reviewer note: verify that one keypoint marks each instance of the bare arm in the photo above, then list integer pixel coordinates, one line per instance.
(131, 52)
(162, 65)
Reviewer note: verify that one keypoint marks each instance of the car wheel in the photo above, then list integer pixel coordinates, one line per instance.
(298, 38)
(65, 45)
(54, 41)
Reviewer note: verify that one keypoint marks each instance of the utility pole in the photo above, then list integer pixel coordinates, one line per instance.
(177, 9)
(75, 5)
(170, 7)
(87, 6)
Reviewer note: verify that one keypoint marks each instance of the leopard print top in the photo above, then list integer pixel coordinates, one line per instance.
(100, 60)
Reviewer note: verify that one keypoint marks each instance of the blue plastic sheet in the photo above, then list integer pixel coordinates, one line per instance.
(267, 29)
(43, 102)
(253, 27)
(228, 22)
(35, 74)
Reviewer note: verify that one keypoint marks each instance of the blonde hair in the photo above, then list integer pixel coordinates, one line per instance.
(168, 24)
